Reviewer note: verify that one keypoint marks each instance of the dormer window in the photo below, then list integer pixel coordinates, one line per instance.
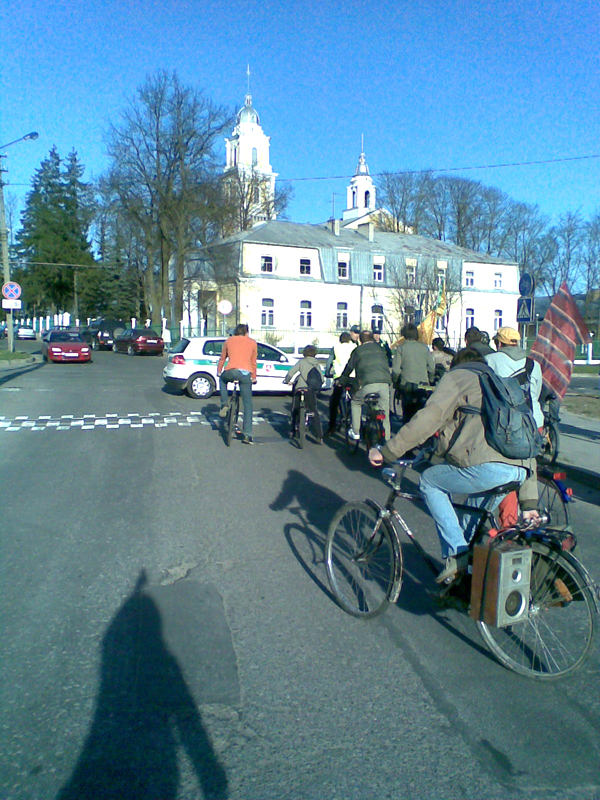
(305, 266)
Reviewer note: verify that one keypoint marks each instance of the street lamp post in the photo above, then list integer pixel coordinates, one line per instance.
(4, 241)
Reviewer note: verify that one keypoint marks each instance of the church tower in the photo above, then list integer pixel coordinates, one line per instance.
(360, 194)
(248, 165)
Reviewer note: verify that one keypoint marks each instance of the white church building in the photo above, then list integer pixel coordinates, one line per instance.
(296, 284)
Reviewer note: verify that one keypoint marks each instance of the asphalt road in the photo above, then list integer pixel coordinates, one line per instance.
(169, 633)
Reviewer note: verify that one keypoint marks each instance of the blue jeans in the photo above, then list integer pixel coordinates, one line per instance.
(245, 381)
(438, 483)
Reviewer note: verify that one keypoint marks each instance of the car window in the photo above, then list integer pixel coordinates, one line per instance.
(213, 347)
(180, 346)
(266, 353)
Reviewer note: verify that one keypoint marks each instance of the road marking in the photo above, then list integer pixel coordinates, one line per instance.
(152, 419)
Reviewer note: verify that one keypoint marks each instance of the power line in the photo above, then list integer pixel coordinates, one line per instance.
(448, 169)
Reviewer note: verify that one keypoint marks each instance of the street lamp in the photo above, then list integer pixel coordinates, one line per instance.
(4, 239)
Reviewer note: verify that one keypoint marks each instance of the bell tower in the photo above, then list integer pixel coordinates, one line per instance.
(247, 161)
(360, 194)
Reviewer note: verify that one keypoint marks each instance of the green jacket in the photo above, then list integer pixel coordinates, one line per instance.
(370, 364)
(413, 363)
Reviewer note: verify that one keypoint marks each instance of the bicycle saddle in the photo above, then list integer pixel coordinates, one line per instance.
(372, 397)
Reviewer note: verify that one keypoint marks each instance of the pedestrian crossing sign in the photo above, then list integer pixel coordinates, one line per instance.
(525, 309)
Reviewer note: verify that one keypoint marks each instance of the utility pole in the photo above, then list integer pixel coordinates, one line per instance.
(10, 331)
(4, 240)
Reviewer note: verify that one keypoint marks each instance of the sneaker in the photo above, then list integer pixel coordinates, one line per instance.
(353, 435)
(452, 566)
(246, 439)
(223, 411)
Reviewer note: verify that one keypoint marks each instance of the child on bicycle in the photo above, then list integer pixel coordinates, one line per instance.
(307, 372)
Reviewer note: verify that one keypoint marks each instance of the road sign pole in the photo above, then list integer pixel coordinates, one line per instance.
(10, 331)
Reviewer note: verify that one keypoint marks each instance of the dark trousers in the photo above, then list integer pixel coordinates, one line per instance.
(245, 381)
(334, 404)
(413, 399)
(310, 399)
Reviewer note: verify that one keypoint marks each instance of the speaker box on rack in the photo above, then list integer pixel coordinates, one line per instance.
(500, 584)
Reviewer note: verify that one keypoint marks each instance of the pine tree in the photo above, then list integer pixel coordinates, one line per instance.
(55, 227)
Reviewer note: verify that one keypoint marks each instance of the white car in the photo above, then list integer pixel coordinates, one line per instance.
(24, 332)
(192, 367)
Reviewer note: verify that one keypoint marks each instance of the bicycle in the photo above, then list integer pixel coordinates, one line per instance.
(233, 413)
(304, 418)
(551, 445)
(371, 424)
(423, 394)
(556, 615)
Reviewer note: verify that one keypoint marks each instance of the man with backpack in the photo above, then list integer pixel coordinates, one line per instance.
(474, 467)
(511, 361)
(309, 377)
(370, 364)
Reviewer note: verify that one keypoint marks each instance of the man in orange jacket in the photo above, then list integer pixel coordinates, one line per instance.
(240, 352)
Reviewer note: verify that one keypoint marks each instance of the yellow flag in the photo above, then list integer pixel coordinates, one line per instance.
(427, 327)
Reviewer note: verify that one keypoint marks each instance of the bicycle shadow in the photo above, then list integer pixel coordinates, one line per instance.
(144, 714)
(314, 505)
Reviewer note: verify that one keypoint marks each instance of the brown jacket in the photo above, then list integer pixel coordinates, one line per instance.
(240, 352)
(459, 387)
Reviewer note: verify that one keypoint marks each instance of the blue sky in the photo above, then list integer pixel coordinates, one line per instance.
(430, 85)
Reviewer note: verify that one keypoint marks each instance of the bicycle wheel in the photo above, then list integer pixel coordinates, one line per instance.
(234, 408)
(555, 638)
(351, 444)
(551, 444)
(551, 500)
(302, 425)
(363, 559)
(397, 403)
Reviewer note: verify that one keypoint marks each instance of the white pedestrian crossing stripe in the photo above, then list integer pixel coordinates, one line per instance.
(153, 419)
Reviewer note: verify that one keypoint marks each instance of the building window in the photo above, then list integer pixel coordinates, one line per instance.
(256, 194)
(470, 314)
(411, 276)
(470, 279)
(266, 264)
(441, 277)
(305, 314)
(305, 266)
(441, 323)
(498, 280)
(367, 199)
(377, 273)
(377, 318)
(353, 198)
(497, 319)
(254, 156)
(267, 312)
(342, 316)
(343, 270)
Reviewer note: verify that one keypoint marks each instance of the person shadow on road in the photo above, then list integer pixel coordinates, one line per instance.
(144, 714)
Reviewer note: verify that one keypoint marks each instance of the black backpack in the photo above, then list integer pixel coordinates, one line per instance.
(506, 413)
(314, 379)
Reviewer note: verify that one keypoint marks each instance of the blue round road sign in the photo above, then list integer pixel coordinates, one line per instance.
(11, 290)
(526, 285)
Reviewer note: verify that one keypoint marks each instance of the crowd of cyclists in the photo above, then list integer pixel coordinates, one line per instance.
(435, 386)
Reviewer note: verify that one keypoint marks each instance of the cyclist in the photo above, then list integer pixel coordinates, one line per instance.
(412, 369)
(508, 360)
(240, 352)
(477, 340)
(370, 364)
(473, 467)
(302, 368)
(340, 354)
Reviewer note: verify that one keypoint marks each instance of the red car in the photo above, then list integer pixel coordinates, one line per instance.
(65, 346)
(139, 340)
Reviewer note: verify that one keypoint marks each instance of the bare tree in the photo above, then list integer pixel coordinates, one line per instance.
(163, 175)
(564, 241)
(248, 196)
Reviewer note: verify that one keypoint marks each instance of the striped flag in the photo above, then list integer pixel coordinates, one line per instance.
(561, 331)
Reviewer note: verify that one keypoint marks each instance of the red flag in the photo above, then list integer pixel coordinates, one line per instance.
(561, 331)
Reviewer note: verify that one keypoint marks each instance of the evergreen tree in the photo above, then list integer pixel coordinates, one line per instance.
(55, 227)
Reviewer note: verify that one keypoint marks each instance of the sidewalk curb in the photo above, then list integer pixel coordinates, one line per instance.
(7, 366)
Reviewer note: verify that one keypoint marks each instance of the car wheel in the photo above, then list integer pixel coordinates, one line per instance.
(200, 386)
(114, 348)
(130, 350)
(94, 343)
